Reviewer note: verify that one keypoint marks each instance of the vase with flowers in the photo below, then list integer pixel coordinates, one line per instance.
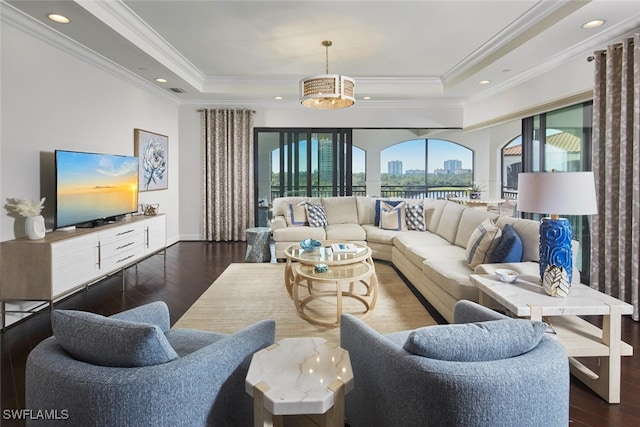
(34, 222)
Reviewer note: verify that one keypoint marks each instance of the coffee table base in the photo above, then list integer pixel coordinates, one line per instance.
(367, 281)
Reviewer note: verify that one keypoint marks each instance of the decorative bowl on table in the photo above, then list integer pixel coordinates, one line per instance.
(507, 276)
(310, 244)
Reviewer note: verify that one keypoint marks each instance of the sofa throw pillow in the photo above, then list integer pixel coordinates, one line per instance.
(510, 248)
(476, 342)
(106, 341)
(296, 214)
(316, 215)
(376, 220)
(392, 217)
(415, 217)
(482, 242)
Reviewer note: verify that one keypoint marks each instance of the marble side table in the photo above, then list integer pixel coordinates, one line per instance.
(298, 376)
(258, 244)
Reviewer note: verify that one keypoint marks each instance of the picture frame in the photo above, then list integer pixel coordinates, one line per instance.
(152, 150)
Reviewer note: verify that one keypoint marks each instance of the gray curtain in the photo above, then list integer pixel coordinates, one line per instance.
(615, 252)
(228, 187)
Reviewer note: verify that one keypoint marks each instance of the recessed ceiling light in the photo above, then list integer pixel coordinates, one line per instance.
(58, 18)
(484, 82)
(593, 24)
(277, 97)
(161, 80)
(366, 97)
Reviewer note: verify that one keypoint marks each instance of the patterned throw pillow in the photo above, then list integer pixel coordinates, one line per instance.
(316, 215)
(415, 217)
(482, 243)
(376, 220)
(296, 214)
(510, 247)
(392, 217)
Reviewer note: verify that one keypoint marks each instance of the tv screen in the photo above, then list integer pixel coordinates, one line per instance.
(92, 187)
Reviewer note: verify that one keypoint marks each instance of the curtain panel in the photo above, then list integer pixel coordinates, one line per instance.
(615, 250)
(227, 168)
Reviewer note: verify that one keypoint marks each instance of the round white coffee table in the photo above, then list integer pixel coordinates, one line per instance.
(351, 275)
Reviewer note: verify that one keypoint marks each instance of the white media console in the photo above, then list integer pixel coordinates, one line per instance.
(66, 261)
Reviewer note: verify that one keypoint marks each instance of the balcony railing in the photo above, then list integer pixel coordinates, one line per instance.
(404, 192)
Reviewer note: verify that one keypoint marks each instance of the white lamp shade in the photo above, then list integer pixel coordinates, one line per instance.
(561, 193)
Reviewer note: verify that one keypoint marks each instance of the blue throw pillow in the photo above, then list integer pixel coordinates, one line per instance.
(376, 220)
(476, 342)
(107, 341)
(510, 247)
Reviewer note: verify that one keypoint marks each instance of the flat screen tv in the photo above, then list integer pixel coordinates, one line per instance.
(93, 188)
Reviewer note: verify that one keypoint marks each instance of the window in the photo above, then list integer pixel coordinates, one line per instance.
(426, 167)
(511, 167)
(303, 162)
(561, 140)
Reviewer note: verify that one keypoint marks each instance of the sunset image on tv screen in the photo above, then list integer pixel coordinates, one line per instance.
(94, 186)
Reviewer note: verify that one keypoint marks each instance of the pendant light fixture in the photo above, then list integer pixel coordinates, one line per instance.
(327, 91)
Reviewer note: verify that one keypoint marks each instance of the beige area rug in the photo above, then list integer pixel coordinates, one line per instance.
(247, 293)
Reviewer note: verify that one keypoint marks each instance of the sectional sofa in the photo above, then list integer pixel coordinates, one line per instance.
(436, 245)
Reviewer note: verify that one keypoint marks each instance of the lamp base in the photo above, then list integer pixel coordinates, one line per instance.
(555, 245)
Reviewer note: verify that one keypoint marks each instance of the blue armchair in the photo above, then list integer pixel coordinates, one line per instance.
(465, 379)
(93, 373)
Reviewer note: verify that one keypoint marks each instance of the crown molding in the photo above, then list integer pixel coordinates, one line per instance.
(28, 25)
(290, 104)
(586, 47)
(534, 21)
(127, 23)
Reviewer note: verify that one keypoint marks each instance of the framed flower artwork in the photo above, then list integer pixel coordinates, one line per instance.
(153, 157)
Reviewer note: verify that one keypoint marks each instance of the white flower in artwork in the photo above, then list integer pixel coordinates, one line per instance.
(24, 207)
(154, 163)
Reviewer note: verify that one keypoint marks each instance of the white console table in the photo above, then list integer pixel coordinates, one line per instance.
(65, 261)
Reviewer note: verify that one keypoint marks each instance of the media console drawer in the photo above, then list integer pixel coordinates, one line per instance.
(121, 244)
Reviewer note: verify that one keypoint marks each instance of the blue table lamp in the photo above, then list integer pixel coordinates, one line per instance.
(557, 193)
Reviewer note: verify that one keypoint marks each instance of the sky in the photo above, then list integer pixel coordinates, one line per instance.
(412, 155)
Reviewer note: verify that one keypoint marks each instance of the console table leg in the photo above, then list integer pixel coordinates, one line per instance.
(606, 382)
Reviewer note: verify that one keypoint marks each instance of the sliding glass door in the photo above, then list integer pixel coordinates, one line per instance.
(302, 162)
(560, 140)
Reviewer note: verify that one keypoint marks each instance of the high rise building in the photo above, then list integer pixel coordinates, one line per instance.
(395, 167)
(452, 166)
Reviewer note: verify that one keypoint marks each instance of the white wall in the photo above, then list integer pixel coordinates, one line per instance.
(52, 99)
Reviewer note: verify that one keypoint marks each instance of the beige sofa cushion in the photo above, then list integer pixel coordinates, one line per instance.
(529, 232)
(433, 212)
(345, 232)
(296, 234)
(366, 207)
(452, 275)
(341, 210)
(378, 235)
(417, 255)
(416, 239)
(448, 225)
(469, 221)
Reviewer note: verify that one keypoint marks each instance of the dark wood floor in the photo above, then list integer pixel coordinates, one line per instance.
(190, 268)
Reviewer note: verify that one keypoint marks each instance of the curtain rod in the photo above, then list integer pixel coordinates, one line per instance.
(616, 46)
